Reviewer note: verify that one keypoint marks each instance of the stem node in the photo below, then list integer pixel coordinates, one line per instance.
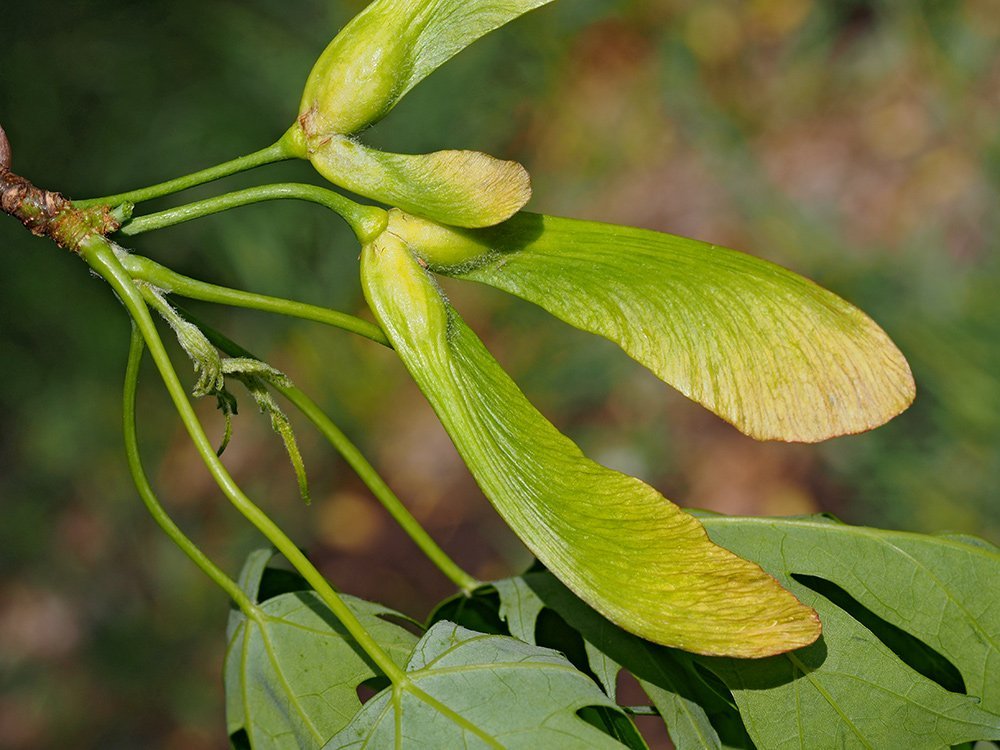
(46, 213)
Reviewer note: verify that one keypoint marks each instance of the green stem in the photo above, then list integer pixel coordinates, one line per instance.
(277, 151)
(381, 490)
(164, 278)
(366, 221)
(365, 471)
(170, 281)
(147, 493)
(100, 256)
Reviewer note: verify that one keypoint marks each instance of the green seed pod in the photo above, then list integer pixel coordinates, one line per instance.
(462, 188)
(356, 80)
(438, 245)
(387, 49)
(615, 541)
(403, 292)
(379, 56)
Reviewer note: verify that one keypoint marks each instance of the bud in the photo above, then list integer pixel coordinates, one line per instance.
(5, 157)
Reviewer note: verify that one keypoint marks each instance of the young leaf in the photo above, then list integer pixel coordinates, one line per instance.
(467, 689)
(390, 47)
(292, 671)
(769, 351)
(463, 188)
(620, 545)
(256, 376)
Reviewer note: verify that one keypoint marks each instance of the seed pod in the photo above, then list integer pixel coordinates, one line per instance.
(437, 245)
(462, 188)
(356, 80)
(387, 49)
(615, 541)
(380, 55)
(403, 292)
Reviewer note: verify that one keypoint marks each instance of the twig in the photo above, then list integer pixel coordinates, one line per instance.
(45, 212)
(5, 160)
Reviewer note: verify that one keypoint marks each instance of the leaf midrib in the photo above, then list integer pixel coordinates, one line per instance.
(273, 659)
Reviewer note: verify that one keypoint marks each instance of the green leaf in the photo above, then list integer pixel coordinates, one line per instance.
(604, 668)
(519, 607)
(292, 670)
(684, 712)
(620, 545)
(468, 689)
(390, 47)
(463, 188)
(771, 352)
(849, 690)
(686, 720)
(484, 607)
(694, 714)
(940, 590)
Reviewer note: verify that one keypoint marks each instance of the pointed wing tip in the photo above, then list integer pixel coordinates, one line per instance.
(793, 631)
(803, 632)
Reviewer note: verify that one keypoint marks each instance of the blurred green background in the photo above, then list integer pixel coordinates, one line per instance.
(855, 142)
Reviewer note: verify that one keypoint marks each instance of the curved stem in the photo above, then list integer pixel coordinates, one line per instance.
(366, 221)
(356, 460)
(277, 151)
(147, 493)
(100, 256)
(366, 472)
(170, 281)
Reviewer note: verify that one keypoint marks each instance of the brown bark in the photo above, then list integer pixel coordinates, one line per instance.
(46, 213)
(4, 151)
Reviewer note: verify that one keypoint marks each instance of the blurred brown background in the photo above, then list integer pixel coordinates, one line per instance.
(853, 141)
